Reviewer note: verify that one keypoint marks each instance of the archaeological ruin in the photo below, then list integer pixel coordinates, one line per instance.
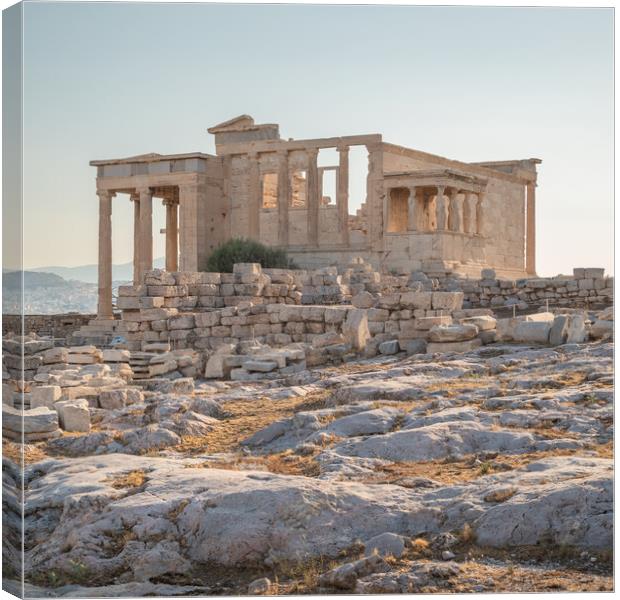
(420, 211)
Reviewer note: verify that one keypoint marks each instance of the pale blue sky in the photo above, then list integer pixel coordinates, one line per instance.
(112, 80)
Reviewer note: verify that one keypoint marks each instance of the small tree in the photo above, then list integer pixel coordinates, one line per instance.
(241, 250)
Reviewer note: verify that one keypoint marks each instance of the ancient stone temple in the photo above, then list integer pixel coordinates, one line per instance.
(420, 211)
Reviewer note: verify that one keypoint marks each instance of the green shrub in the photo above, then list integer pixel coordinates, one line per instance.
(240, 250)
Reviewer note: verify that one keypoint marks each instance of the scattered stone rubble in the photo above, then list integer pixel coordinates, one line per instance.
(241, 434)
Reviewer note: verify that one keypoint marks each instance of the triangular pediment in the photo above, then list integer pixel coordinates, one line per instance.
(238, 123)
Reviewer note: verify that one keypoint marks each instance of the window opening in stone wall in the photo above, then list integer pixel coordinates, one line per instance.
(398, 210)
(328, 187)
(270, 190)
(299, 189)
(358, 172)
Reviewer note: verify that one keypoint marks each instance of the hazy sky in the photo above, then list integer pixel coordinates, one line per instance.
(112, 80)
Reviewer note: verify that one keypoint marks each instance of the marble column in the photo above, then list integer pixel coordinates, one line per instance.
(342, 194)
(412, 212)
(441, 209)
(312, 197)
(480, 208)
(188, 229)
(255, 200)
(530, 250)
(146, 231)
(469, 213)
(135, 198)
(375, 191)
(104, 304)
(172, 236)
(387, 209)
(454, 215)
(283, 198)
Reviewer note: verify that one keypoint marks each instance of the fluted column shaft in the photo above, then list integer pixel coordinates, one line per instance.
(480, 209)
(342, 194)
(283, 198)
(104, 303)
(146, 231)
(172, 236)
(412, 209)
(455, 219)
(313, 200)
(255, 199)
(135, 198)
(530, 252)
(441, 209)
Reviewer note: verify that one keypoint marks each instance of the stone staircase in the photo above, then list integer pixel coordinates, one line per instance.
(98, 332)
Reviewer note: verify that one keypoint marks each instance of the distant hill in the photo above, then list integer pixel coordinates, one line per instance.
(88, 273)
(12, 280)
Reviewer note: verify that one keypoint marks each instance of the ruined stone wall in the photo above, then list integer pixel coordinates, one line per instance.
(586, 287)
(61, 325)
(404, 317)
(503, 234)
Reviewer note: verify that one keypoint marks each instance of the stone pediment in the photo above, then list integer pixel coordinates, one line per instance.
(239, 123)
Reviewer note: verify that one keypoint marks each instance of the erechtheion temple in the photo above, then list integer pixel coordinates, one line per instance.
(420, 211)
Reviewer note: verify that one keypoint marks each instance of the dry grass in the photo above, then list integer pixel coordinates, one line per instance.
(500, 495)
(31, 453)
(129, 480)
(281, 463)
(449, 471)
(246, 418)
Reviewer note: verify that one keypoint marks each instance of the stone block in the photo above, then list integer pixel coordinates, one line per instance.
(421, 300)
(181, 322)
(447, 301)
(131, 290)
(483, 322)
(327, 339)
(355, 329)
(259, 366)
(128, 303)
(113, 355)
(335, 315)
(55, 355)
(247, 269)
(159, 277)
(487, 274)
(74, 415)
(389, 347)
(464, 346)
(363, 300)
(208, 319)
(36, 420)
(427, 323)
(45, 395)
(415, 346)
(488, 337)
(452, 333)
(167, 291)
(113, 399)
(602, 329)
(390, 301)
(151, 302)
(535, 332)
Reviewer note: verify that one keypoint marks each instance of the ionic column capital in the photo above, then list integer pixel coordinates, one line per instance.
(144, 191)
(343, 149)
(106, 194)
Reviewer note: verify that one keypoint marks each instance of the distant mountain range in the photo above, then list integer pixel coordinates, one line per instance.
(88, 273)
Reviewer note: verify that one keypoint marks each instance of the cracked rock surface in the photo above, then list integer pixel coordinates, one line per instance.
(485, 471)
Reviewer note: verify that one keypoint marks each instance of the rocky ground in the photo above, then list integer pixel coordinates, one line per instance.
(485, 471)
